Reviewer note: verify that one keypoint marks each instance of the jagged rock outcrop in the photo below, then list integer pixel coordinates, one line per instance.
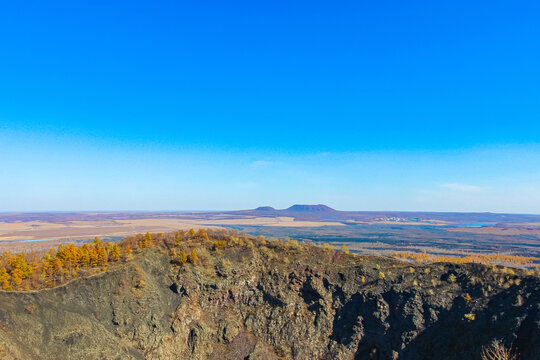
(268, 300)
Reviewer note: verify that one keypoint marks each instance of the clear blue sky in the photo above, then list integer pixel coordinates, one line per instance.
(361, 105)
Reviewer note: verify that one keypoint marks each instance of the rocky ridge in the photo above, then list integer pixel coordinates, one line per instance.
(258, 299)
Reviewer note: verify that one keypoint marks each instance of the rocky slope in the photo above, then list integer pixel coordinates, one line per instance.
(256, 299)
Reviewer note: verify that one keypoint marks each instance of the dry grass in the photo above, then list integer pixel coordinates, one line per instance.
(486, 259)
(497, 351)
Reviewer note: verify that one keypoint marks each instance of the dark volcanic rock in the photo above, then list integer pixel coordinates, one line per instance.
(269, 300)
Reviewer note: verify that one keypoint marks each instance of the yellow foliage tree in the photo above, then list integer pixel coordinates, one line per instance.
(19, 262)
(16, 278)
(4, 279)
(69, 256)
(102, 256)
(115, 252)
(84, 255)
(193, 258)
(128, 253)
(147, 240)
(182, 257)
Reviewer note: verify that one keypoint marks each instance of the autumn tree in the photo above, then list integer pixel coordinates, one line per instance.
(102, 255)
(201, 233)
(5, 259)
(147, 240)
(94, 254)
(16, 278)
(69, 255)
(52, 268)
(182, 257)
(177, 238)
(115, 252)
(128, 253)
(4, 279)
(18, 262)
(84, 256)
(193, 258)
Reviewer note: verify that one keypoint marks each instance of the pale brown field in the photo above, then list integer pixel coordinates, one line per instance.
(368, 233)
(283, 221)
(390, 222)
(84, 230)
(495, 230)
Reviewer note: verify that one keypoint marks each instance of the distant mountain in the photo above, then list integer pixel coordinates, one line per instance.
(320, 208)
(265, 208)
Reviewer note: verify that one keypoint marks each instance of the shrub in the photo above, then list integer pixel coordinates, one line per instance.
(218, 244)
(381, 275)
(293, 244)
(225, 263)
(328, 247)
(497, 351)
(30, 308)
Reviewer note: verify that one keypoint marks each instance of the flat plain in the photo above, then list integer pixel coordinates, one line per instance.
(381, 233)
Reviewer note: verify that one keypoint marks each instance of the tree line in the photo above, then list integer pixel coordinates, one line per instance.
(33, 270)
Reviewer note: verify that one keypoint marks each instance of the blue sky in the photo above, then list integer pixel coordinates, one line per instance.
(229, 105)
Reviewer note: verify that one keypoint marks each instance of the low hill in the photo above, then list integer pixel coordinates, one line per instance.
(248, 298)
(320, 208)
(265, 208)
